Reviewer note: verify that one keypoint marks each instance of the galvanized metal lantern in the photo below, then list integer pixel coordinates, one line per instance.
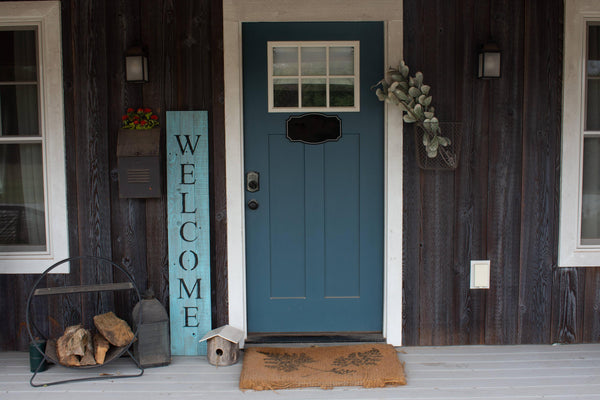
(153, 347)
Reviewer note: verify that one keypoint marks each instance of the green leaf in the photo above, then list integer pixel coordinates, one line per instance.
(425, 101)
(425, 139)
(434, 144)
(391, 98)
(401, 95)
(414, 92)
(419, 111)
(419, 79)
(429, 114)
(444, 141)
(404, 69)
(409, 118)
(425, 89)
(432, 154)
(427, 126)
(380, 94)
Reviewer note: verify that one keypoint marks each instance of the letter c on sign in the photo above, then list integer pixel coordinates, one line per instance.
(182, 231)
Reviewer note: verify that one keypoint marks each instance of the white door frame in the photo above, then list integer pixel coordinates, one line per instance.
(234, 13)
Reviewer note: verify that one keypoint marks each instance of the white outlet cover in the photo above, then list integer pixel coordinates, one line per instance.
(480, 274)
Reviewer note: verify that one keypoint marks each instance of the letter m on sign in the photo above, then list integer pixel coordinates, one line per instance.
(188, 230)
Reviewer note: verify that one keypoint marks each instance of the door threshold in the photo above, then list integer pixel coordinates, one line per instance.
(314, 337)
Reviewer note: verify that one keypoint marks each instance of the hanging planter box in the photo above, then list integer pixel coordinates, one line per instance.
(447, 157)
(138, 154)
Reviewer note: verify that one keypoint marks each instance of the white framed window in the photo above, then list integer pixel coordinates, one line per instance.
(33, 214)
(579, 241)
(314, 76)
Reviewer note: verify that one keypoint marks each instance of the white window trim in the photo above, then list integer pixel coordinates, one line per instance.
(234, 13)
(299, 44)
(45, 15)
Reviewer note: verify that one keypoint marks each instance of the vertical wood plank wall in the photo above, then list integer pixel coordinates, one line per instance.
(500, 204)
(184, 43)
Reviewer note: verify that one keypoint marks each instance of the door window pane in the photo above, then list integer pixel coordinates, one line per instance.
(18, 56)
(341, 92)
(314, 92)
(314, 61)
(285, 92)
(285, 61)
(22, 205)
(341, 61)
(315, 76)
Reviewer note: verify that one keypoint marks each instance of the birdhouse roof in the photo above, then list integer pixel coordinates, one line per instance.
(227, 332)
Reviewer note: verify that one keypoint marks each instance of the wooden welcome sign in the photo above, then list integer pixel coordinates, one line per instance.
(188, 230)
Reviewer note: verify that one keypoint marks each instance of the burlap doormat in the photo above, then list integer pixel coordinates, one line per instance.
(367, 365)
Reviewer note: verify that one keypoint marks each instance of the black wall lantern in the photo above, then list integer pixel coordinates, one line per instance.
(489, 61)
(136, 65)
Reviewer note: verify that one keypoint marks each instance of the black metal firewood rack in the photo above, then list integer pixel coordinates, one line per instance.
(114, 352)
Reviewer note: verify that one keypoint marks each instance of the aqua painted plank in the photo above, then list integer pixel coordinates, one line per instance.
(188, 230)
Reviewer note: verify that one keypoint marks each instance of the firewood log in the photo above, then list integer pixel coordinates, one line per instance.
(101, 346)
(114, 329)
(71, 346)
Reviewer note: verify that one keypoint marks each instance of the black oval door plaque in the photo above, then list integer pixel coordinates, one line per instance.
(314, 128)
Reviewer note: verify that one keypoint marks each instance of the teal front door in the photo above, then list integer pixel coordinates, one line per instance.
(314, 208)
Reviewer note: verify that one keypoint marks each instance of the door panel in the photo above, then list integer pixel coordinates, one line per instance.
(314, 246)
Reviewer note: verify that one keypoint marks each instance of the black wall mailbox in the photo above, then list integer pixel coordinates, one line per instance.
(138, 153)
(314, 128)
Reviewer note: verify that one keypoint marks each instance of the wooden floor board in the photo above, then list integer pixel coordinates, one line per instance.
(433, 373)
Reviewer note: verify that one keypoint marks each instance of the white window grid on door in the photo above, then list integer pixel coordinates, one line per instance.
(327, 76)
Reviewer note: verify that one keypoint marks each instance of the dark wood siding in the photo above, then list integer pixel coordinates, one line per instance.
(500, 204)
(184, 43)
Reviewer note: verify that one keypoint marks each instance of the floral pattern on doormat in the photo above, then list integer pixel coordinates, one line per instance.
(288, 362)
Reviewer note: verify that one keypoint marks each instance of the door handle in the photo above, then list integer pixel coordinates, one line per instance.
(253, 204)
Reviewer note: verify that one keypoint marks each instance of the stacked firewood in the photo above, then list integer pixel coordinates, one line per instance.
(78, 347)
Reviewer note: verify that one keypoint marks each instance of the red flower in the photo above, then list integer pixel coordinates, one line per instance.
(139, 118)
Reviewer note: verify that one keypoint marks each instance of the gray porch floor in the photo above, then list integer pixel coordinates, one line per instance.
(473, 372)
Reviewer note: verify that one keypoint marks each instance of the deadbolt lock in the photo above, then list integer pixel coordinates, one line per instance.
(252, 181)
